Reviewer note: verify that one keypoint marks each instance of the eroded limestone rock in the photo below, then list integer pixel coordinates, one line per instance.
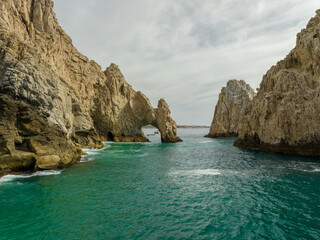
(285, 114)
(166, 125)
(53, 100)
(230, 109)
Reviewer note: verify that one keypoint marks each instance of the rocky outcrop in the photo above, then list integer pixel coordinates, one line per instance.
(54, 101)
(285, 114)
(167, 127)
(126, 111)
(230, 109)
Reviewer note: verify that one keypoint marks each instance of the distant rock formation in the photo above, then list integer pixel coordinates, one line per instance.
(285, 114)
(230, 109)
(54, 101)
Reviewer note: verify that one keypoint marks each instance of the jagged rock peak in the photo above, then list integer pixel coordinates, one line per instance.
(166, 125)
(53, 100)
(230, 109)
(284, 116)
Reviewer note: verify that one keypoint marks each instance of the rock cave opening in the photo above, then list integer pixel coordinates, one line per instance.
(110, 136)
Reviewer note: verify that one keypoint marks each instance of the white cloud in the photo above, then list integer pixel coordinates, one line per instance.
(186, 50)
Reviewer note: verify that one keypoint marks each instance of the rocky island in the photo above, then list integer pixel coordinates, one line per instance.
(55, 101)
(284, 115)
(229, 111)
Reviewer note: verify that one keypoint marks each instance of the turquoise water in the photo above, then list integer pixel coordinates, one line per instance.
(199, 189)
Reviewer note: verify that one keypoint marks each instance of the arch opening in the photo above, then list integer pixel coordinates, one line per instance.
(151, 133)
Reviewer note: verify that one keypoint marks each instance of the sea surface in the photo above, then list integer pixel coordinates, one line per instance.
(199, 189)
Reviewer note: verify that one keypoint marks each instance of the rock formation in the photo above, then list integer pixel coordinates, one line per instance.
(229, 111)
(167, 127)
(53, 100)
(285, 114)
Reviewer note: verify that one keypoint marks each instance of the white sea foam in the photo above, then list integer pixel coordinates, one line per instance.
(11, 177)
(94, 150)
(312, 170)
(90, 153)
(86, 159)
(198, 172)
(305, 166)
(143, 155)
(207, 141)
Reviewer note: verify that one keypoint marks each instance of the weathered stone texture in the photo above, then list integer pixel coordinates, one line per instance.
(230, 109)
(53, 100)
(285, 114)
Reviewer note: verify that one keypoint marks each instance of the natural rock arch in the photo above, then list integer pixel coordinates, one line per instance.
(124, 112)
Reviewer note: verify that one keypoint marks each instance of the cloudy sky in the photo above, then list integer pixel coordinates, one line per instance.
(186, 50)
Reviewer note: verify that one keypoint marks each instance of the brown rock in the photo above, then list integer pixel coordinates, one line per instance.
(230, 109)
(285, 114)
(166, 125)
(53, 100)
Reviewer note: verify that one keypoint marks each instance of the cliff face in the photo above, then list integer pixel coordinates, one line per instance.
(285, 114)
(53, 100)
(230, 109)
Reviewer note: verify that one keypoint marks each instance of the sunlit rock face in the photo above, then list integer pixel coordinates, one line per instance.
(166, 125)
(230, 109)
(54, 100)
(285, 114)
(126, 111)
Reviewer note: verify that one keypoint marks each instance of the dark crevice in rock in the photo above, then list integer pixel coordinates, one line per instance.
(110, 136)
